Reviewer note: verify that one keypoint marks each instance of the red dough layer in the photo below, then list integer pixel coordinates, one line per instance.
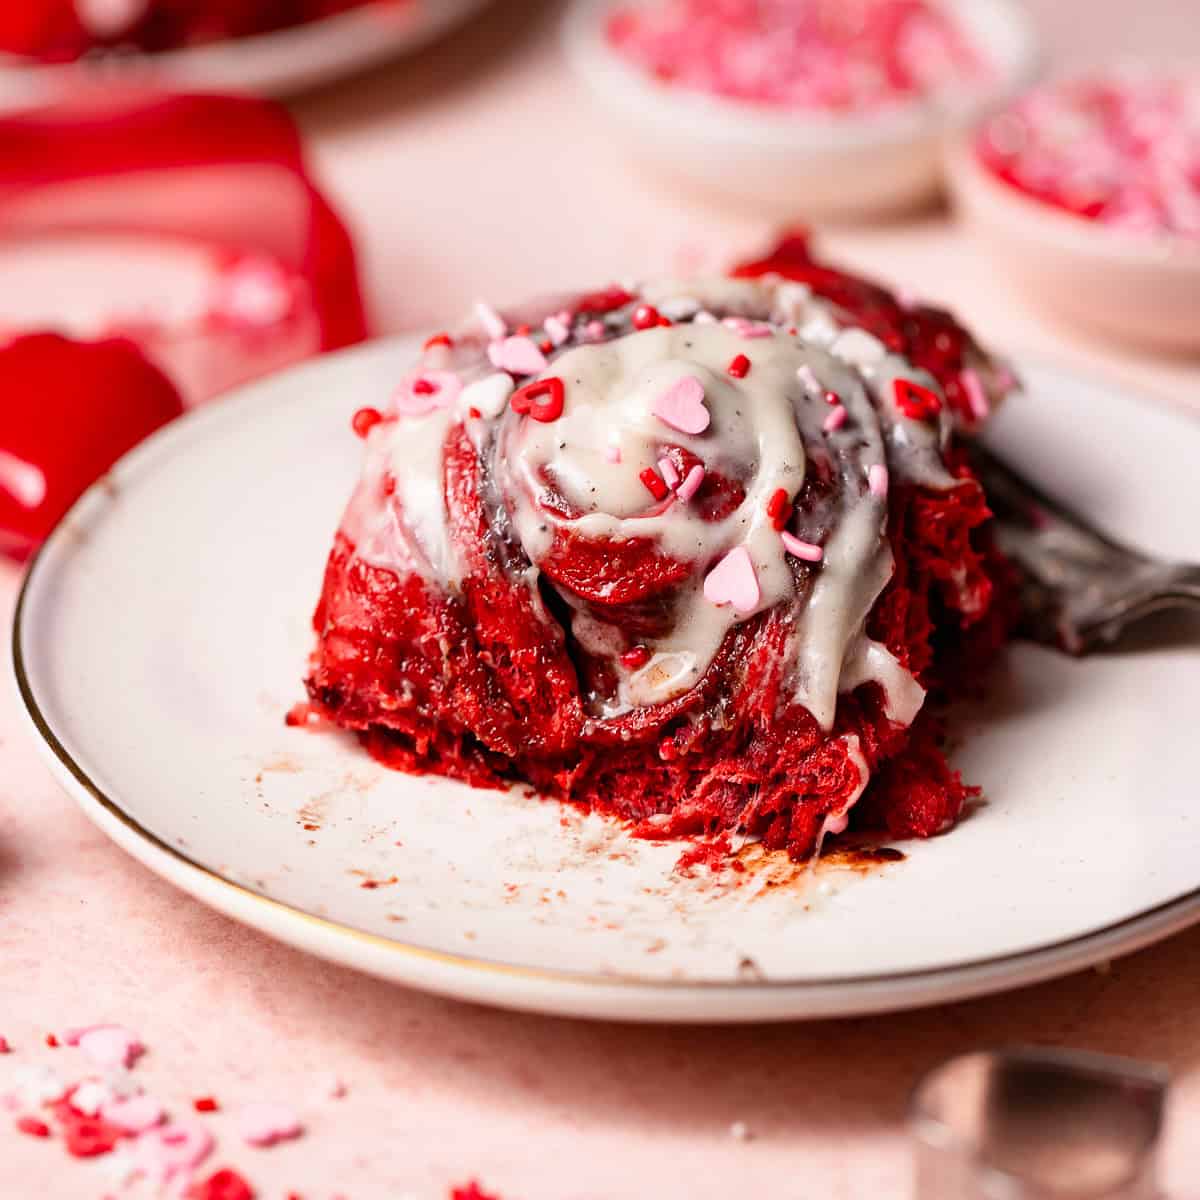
(487, 687)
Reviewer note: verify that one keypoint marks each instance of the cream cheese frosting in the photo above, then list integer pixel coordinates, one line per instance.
(759, 383)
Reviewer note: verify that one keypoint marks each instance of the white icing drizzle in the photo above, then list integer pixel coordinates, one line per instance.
(541, 480)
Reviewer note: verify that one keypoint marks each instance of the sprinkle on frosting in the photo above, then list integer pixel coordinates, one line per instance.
(747, 328)
(635, 658)
(733, 581)
(877, 480)
(542, 400)
(646, 316)
(779, 508)
(682, 406)
(804, 550)
(654, 484)
(974, 391)
(520, 355)
(836, 418)
(425, 392)
(691, 483)
(916, 401)
(739, 367)
(557, 329)
(491, 321)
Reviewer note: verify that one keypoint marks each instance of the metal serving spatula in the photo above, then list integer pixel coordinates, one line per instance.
(1082, 590)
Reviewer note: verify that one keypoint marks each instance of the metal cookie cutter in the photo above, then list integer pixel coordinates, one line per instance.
(1038, 1124)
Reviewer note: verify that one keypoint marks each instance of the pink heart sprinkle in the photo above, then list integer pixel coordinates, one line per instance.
(520, 355)
(167, 1150)
(426, 392)
(733, 581)
(266, 1124)
(682, 406)
(691, 484)
(107, 1045)
(977, 399)
(134, 1115)
(804, 550)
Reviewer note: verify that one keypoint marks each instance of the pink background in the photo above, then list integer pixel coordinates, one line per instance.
(474, 172)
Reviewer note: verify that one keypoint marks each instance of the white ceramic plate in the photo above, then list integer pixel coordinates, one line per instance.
(269, 64)
(162, 635)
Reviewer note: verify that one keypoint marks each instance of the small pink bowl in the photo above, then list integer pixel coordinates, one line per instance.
(1142, 289)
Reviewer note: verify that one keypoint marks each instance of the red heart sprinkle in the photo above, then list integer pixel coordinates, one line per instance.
(914, 401)
(542, 399)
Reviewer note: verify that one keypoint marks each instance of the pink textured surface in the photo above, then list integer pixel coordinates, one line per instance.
(437, 163)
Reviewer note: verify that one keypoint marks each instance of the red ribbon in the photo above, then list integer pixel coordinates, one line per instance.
(218, 171)
(221, 169)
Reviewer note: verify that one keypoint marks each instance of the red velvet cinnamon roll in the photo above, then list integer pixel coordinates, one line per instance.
(693, 555)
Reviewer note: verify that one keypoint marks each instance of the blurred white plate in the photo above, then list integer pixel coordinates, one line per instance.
(269, 64)
(162, 636)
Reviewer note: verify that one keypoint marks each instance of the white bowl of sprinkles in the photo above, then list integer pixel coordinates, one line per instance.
(1086, 193)
(804, 160)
